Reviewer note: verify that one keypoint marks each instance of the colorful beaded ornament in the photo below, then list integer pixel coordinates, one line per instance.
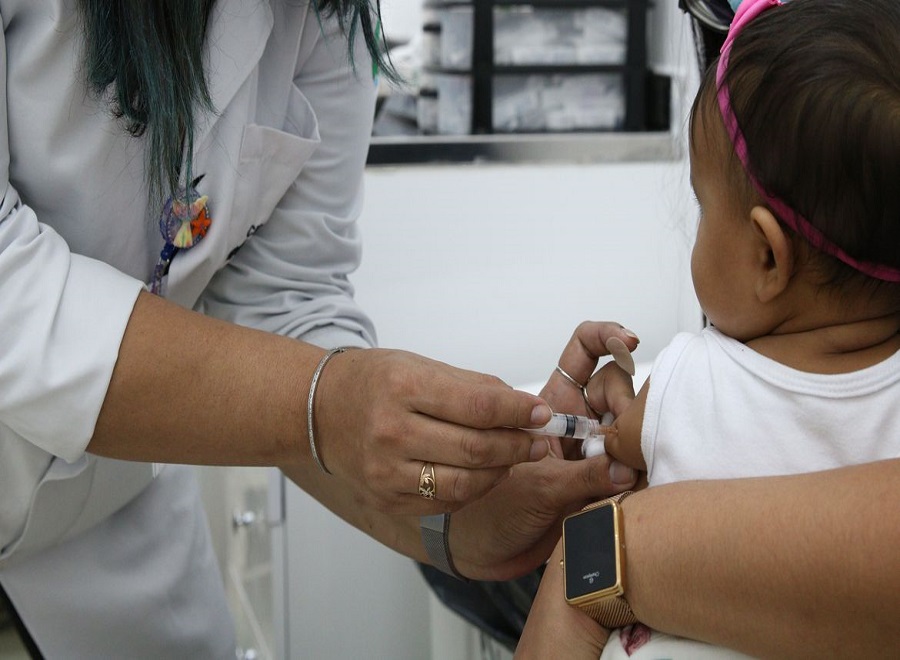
(184, 221)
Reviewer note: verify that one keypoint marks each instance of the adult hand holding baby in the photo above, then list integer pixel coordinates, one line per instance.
(524, 512)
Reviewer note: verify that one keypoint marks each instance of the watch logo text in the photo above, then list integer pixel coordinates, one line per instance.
(590, 577)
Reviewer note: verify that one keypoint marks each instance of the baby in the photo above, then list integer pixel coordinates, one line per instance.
(795, 164)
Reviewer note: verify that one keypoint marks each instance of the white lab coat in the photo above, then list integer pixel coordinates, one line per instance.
(84, 541)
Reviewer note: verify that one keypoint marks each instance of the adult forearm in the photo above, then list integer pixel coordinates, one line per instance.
(190, 389)
(789, 566)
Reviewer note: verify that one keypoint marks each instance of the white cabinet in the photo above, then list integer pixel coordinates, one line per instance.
(301, 583)
(244, 510)
(348, 596)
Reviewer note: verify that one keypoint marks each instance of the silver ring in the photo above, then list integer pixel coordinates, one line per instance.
(574, 382)
(587, 404)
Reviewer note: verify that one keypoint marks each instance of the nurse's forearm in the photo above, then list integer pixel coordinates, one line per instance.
(778, 567)
(190, 389)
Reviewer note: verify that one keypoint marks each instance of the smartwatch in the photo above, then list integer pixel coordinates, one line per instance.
(594, 562)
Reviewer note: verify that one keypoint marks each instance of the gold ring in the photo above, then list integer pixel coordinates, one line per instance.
(427, 487)
(574, 382)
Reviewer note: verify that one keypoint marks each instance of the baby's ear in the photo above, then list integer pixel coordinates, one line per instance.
(775, 258)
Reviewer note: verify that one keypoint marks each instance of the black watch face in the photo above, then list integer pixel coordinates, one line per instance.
(590, 552)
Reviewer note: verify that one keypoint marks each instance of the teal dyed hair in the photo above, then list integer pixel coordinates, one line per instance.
(145, 58)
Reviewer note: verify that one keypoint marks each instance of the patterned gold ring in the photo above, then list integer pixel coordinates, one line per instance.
(427, 487)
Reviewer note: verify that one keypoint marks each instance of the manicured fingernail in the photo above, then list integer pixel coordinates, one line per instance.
(621, 354)
(621, 475)
(540, 414)
(631, 334)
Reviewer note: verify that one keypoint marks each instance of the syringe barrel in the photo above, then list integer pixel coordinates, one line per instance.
(562, 425)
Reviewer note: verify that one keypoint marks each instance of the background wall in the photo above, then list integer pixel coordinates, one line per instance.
(492, 267)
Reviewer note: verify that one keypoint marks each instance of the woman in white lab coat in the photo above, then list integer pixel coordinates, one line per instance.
(102, 551)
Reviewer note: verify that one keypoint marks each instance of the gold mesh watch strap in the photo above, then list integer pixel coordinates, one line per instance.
(613, 612)
(615, 498)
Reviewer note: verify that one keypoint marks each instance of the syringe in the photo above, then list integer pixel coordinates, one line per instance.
(562, 425)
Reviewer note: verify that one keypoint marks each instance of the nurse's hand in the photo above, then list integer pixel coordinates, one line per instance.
(514, 528)
(609, 390)
(381, 416)
(554, 628)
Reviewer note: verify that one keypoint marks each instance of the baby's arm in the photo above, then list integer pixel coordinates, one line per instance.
(625, 444)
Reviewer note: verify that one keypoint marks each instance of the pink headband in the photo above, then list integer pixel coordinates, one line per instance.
(746, 12)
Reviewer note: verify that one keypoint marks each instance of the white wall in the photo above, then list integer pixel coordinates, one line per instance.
(492, 267)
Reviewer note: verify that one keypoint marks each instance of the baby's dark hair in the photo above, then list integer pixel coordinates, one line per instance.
(815, 88)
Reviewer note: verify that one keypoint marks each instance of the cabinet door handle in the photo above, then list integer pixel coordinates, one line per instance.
(243, 518)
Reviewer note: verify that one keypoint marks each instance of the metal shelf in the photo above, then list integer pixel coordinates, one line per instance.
(606, 147)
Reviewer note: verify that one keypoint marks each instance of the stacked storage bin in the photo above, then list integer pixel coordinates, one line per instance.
(520, 66)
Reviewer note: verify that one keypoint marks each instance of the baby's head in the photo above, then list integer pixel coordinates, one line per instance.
(812, 88)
